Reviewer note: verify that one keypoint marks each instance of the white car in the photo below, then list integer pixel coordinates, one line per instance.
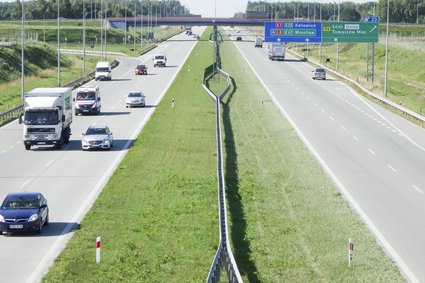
(97, 137)
(159, 60)
(319, 73)
(135, 98)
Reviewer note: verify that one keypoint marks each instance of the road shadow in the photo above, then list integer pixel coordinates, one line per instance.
(118, 145)
(146, 106)
(121, 80)
(117, 113)
(54, 229)
(242, 246)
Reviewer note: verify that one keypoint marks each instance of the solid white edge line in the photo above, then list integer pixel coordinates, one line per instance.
(389, 249)
(416, 188)
(66, 233)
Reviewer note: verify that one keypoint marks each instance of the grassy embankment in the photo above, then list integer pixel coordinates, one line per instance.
(288, 222)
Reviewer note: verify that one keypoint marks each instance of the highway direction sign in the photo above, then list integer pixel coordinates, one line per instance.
(292, 31)
(350, 32)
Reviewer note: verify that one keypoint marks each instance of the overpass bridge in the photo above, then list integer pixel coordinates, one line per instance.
(125, 23)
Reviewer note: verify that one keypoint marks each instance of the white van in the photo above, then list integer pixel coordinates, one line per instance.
(259, 42)
(159, 60)
(87, 100)
(103, 71)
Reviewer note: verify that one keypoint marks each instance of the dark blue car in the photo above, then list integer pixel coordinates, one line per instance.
(24, 212)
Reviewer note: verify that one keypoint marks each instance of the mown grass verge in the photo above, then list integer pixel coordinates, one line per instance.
(157, 215)
(289, 223)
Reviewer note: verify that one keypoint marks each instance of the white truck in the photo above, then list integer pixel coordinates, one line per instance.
(277, 51)
(47, 117)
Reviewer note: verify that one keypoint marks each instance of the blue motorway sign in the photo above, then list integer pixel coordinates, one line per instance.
(372, 19)
(292, 31)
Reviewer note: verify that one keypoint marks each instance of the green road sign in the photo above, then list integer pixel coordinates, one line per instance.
(349, 32)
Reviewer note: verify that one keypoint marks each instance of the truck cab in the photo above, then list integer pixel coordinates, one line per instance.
(87, 100)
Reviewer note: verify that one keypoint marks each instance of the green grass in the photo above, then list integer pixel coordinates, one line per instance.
(166, 191)
(288, 222)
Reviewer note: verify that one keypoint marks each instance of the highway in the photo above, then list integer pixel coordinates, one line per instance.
(374, 156)
(70, 178)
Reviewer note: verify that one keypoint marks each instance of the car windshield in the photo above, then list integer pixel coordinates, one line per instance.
(102, 69)
(96, 131)
(134, 94)
(86, 95)
(41, 117)
(19, 202)
(159, 57)
(141, 66)
(320, 70)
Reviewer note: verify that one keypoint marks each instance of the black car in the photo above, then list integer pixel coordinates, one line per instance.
(239, 38)
(24, 212)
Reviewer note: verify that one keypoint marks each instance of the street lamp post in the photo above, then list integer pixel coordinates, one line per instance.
(44, 35)
(59, 54)
(84, 40)
(22, 51)
(386, 50)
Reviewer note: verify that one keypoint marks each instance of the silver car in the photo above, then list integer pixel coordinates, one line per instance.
(319, 74)
(97, 137)
(135, 98)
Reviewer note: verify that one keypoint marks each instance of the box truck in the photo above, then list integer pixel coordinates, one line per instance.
(277, 51)
(47, 117)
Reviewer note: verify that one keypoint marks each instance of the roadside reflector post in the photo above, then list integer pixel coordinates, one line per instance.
(350, 252)
(172, 102)
(98, 250)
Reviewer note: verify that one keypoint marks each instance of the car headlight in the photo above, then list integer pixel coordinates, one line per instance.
(106, 141)
(33, 217)
(94, 105)
(1, 218)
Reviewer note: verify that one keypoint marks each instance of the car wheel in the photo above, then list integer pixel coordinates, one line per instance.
(47, 220)
(27, 146)
(40, 229)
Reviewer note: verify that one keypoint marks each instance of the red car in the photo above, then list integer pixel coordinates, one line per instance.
(141, 70)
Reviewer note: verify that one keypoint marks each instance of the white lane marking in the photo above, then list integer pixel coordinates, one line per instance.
(49, 163)
(67, 232)
(409, 274)
(371, 151)
(323, 110)
(308, 98)
(25, 184)
(417, 189)
(314, 103)
(12, 146)
(3, 151)
(356, 138)
(332, 118)
(342, 127)
(392, 168)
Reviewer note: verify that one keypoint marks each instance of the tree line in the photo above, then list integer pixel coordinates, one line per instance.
(401, 11)
(73, 9)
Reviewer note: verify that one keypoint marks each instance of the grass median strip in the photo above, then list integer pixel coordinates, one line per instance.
(289, 222)
(158, 215)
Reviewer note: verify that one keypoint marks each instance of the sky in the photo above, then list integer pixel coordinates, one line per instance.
(227, 8)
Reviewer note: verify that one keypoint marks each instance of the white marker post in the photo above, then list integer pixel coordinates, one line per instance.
(172, 102)
(98, 250)
(350, 252)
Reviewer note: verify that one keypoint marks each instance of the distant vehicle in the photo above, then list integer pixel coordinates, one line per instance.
(258, 42)
(97, 137)
(103, 71)
(87, 100)
(47, 117)
(141, 70)
(134, 99)
(24, 212)
(319, 73)
(187, 30)
(239, 38)
(159, 60)
(277, 51)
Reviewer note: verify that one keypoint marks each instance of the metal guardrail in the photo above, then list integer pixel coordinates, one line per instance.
(224, 258)
(381, 99)
(14, 113)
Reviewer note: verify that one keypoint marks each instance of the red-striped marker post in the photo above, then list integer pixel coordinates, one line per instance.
(350, 252)
(98, 250)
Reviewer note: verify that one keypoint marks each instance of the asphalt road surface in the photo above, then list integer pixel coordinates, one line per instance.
(375, 157)
(70, 178)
